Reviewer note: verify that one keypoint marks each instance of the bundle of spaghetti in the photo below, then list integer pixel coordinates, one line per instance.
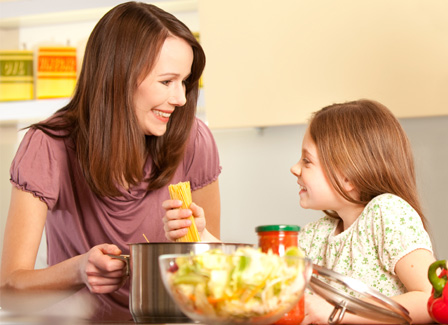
(182, 191)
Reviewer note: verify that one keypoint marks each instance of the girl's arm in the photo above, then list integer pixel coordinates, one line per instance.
(205, 201)
(412, 270)
(23, 232)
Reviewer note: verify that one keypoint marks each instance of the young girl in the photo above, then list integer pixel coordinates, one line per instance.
(358, 168)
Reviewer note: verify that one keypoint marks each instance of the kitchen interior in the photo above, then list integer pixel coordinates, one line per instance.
(269, 66)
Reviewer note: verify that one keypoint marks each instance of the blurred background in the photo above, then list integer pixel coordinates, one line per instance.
(270, 64)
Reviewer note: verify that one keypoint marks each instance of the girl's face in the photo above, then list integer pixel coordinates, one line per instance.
(316, 192)
(163, 89)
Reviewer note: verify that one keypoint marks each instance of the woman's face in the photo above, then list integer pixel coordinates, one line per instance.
(163, 89)
(316, 192)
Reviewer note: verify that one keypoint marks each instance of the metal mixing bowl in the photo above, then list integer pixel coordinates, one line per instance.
(149, 302)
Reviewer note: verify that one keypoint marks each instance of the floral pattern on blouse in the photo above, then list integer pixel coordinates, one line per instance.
(387, 229)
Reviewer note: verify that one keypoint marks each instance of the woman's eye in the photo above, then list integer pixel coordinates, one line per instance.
(305, 161)
(165, 82)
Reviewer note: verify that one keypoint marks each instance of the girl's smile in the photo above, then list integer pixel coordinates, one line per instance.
(316, 192)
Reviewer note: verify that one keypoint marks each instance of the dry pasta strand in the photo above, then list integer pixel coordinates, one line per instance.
(182, 191)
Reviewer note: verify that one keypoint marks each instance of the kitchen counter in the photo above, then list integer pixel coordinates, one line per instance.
(12, 319)
(52, 307)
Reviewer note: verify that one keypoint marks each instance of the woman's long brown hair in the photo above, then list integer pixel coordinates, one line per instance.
(364, 142)
(110, 145)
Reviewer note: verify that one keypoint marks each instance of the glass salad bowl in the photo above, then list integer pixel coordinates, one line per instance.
(244, 287)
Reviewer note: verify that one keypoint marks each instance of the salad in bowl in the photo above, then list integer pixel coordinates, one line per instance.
(247, 286)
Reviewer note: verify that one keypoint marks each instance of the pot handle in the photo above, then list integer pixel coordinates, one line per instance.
(124, 258)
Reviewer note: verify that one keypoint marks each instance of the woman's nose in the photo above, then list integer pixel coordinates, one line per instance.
(178, 96)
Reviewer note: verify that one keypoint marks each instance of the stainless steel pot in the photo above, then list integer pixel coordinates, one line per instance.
(149, 302)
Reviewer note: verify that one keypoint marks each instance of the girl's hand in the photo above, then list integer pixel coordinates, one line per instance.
(100, 272)
(176, 220)
(317, 310)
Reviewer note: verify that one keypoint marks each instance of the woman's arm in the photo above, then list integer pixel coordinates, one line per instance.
(205, 201)
(208, 198)
(23, 232)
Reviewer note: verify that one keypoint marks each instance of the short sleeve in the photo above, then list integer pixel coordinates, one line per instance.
(34, 168)
(399, 230)
(202, 158)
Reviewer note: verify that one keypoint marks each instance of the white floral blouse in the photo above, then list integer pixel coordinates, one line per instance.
(388, 229)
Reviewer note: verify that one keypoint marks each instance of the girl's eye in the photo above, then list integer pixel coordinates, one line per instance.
(165, 82)
(305, 161)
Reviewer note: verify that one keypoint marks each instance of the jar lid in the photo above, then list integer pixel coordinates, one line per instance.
(277, 228)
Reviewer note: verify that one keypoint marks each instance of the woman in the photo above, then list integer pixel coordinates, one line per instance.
(95, 174)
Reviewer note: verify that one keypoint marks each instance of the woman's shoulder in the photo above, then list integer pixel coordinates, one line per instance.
(38, 148)
(38, 140)
(39, 164)
(201, 161)
(201, 138)
(200, 129)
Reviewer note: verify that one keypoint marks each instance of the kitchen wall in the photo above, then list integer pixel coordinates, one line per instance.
(257, 187)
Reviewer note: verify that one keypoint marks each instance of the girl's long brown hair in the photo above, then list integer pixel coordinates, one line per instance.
(364, 142)
(110, 145)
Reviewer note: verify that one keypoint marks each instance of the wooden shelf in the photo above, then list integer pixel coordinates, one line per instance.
(29, 110)
(16, 112)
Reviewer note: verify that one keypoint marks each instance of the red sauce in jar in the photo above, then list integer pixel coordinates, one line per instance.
(278, 238)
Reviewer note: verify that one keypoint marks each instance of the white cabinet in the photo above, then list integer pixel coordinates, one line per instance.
(273, 63)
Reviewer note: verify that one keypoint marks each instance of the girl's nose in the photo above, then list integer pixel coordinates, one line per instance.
(296, 169)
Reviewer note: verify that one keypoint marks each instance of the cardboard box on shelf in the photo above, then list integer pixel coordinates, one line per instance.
(16, 75)
(56, 72)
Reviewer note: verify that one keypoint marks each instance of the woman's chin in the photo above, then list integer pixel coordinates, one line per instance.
(156, 132)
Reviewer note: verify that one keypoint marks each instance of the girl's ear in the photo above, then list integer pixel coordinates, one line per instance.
(347, 184)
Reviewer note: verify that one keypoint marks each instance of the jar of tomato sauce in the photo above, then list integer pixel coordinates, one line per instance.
(278, 238)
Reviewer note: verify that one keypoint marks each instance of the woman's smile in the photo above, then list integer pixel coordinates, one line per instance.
(163, 116)
(163, 89)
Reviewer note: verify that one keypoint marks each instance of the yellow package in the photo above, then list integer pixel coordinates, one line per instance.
(16, 75)
(56, 72)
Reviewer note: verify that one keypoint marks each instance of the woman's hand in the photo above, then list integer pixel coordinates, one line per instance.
(100, 272)
(176, 220)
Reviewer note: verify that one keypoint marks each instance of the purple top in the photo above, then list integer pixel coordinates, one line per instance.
(77, 219)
